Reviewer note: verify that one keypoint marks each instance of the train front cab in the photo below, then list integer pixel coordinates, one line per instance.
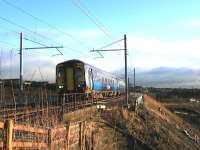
(70, 77)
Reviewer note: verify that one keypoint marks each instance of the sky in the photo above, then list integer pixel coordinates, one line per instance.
(159, 33)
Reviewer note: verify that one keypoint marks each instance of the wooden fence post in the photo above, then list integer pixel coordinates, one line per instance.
(63, 106)
(84, 126)
(9, 134)
(80, 135)
(68, 134)
(50, 138)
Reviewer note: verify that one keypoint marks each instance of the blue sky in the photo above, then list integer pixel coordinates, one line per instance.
(159, 33)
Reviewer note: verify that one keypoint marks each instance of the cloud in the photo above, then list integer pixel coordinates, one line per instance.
(37, 63)
(145, 51)
(36, 67)
(168, 78)
(157, 46)
(65, 37)
(154, 52)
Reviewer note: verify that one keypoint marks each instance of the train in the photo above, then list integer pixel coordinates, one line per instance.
(75, 76)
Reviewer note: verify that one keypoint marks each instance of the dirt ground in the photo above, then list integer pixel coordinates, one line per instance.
(151, 127)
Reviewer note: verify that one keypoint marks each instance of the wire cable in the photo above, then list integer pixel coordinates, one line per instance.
(42, 45)
(44, 22)
(79, 4)
(97, 20)
(115, 42)
(20, 26)
(73, 50)
(86, 12)
(10, 30)
(93, 19)
(34, 42)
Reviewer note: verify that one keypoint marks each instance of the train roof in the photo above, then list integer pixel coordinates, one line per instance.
(80, 61)
(71, 60)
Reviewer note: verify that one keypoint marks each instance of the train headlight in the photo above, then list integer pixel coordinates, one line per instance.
(60, 86)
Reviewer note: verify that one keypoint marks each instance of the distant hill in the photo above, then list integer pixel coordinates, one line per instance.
(165, 77)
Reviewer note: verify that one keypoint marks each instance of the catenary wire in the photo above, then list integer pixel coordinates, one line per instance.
(46, 23)
(87, 13)
(22, 27)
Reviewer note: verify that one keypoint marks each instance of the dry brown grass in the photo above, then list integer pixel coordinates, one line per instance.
(160, 111)
(152, 127)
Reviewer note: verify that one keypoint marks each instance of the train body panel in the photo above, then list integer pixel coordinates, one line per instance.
(79, 77)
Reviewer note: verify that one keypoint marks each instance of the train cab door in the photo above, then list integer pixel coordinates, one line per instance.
(70, 78)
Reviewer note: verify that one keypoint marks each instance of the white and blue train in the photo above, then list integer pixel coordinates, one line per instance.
(75, 76)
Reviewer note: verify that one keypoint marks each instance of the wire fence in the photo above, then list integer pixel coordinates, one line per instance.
(43, 103)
